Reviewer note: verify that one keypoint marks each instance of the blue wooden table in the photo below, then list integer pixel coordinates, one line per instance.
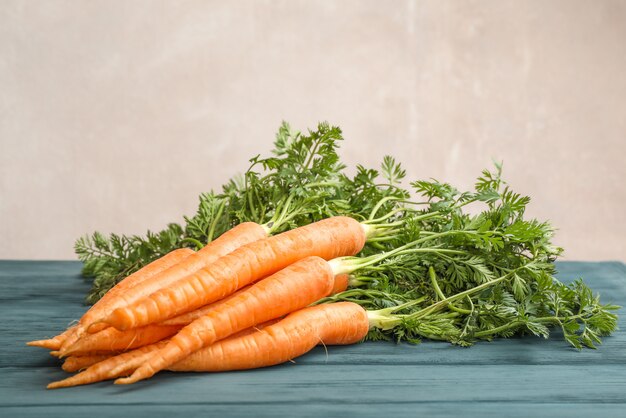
(520, 377)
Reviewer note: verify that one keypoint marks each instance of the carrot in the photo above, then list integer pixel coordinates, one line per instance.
(109, 368)
(341, 284)
(111, 339)
(331, 324)
(189, 317)
(111, 299)
(76, 363)
(102, 370)
(292, 288)
(329, 238)
(239, 235)
(53, 343)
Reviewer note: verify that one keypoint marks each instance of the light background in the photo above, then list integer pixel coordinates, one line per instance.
(115, 115)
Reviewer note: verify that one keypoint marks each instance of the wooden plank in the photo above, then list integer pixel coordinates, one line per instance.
(327, 409)
(37, 300)
(337, 383)
(515, 377)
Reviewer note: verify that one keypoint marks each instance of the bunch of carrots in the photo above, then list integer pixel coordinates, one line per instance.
(243, 301)
(264, 293)
(251, 298)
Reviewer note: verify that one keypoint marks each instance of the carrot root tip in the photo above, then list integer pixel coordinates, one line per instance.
(124, 381)
(50, 344)
(56, 385)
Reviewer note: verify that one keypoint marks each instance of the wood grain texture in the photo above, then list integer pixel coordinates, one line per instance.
(329, 409)
(518, 377)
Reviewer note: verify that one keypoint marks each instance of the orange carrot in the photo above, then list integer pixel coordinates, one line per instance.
(239, 235)
(102, 370)
(292, 288)
(111, 339)
(109, 367)
(331, 324)
(111, 299)
(53, 343)
(329, 238)
(341, 283)
(75, 363)
(189, 317)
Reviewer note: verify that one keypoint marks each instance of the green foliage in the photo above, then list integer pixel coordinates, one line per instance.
(503, 261)
(392, 171)
(492, 270)
(303, 173)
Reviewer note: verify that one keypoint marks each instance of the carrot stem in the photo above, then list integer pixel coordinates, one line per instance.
(380, 203)
(385, 319)
(433, 281)
(351, 264)
(195, 242)
(218, 215)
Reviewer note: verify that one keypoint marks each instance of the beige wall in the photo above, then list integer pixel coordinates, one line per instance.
(115, 115)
